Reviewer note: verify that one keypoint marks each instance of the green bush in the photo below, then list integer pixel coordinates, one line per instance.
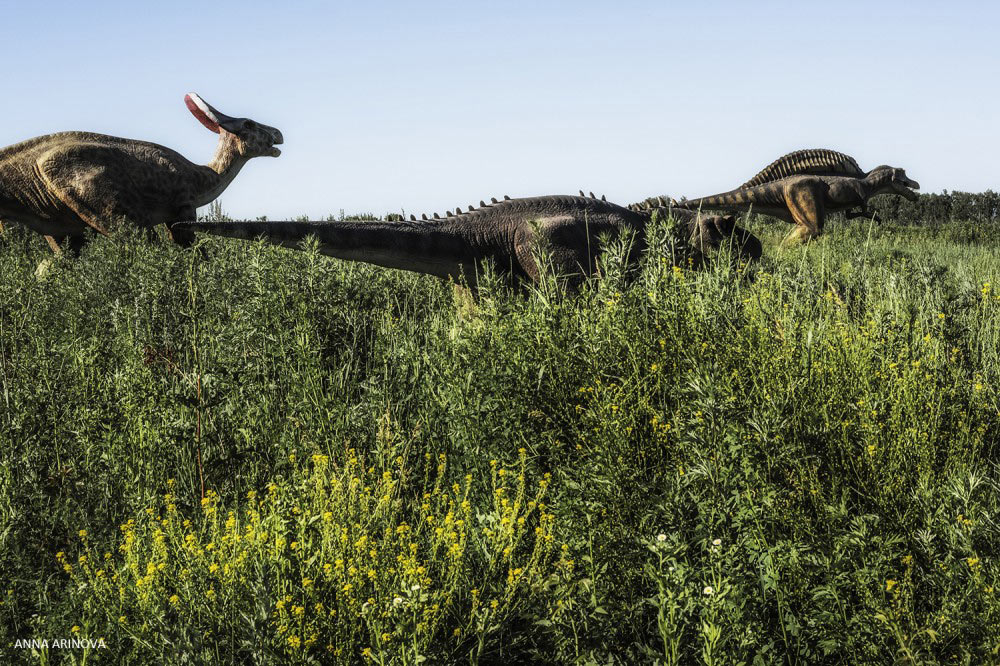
(789, 463)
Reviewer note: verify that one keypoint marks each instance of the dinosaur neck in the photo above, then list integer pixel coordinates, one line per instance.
(225, 165)
(439, 248)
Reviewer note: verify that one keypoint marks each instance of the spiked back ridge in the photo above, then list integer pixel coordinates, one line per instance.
(652, 202)
(816, 161)
(493, 201)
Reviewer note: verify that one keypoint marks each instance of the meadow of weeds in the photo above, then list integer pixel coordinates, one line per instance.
(247, 454)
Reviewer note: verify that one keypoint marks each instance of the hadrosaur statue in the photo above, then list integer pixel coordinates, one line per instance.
(63, 185)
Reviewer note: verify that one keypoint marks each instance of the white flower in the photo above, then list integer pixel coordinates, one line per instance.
(672, 569)
(397, 601)
(661, 537)
(717, 542)
(708, 591)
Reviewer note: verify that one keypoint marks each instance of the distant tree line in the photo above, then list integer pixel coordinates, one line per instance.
(944, 207)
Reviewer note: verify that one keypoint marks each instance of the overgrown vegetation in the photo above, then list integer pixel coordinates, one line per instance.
(252, 455)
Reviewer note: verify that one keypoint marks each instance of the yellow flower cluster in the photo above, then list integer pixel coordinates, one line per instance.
(349, 563)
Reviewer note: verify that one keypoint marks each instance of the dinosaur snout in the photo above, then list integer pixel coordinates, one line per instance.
(276, 139)
(908, 190)
(747, 244)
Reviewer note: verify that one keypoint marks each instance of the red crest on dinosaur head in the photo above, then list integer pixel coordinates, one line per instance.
(203, 111)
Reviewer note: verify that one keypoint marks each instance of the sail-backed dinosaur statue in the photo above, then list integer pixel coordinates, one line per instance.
(503, 232)
(804, 186)
(63, 185)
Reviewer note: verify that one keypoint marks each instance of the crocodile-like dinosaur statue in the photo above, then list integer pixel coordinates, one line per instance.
(810, 193)
(62, 185)
(503, 232)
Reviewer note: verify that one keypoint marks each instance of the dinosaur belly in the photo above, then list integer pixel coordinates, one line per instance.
(66, 224)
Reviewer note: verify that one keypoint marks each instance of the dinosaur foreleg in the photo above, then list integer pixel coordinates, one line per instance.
(863, 211)
(805, 203)
(183, 237)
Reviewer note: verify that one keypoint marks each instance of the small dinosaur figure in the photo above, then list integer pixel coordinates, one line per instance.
(503, 232)
(62, 185)
(804, 186)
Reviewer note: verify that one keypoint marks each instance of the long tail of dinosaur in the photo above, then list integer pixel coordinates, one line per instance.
(735, 200)
(424, 247)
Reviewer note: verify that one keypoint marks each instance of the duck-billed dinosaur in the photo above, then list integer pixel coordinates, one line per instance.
(61, 185)
(804, 186)
(502, 232)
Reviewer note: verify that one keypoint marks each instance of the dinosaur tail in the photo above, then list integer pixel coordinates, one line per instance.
(735, 200)
(424, 247)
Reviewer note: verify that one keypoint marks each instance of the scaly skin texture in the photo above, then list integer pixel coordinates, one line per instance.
(805, 200)
(63, 185)
(505, 233)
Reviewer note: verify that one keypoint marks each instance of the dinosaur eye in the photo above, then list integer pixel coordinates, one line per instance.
(249, 124)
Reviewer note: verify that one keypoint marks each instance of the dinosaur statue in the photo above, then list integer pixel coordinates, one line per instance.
(62, 185)
(804, 186)
(813, 161)
(503, 232)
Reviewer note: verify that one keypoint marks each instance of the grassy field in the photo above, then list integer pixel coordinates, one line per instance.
(256, 455)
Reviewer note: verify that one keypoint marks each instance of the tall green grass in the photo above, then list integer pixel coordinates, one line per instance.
(793, 463)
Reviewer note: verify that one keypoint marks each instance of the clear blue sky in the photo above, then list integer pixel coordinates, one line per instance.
(422, 106)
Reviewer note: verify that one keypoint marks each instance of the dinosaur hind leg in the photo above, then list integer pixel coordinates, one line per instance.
(805, 203)
(95, 193)
(73, 243)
